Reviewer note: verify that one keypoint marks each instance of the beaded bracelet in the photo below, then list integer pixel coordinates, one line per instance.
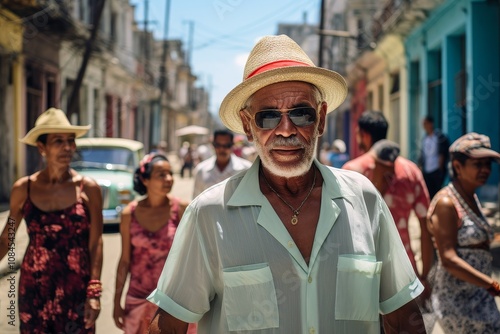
(94, 289)
(494, 289)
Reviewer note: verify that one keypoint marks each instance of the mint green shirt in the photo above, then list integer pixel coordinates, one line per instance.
(234, 267)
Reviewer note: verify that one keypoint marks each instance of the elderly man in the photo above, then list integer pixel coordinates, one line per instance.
(290, 245)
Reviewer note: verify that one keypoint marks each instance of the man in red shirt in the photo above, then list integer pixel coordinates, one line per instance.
(398, 180)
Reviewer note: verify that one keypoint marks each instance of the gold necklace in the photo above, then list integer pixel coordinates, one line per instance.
(295, 219)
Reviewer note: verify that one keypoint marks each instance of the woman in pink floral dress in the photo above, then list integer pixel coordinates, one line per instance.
(147, 229)
(59, 285)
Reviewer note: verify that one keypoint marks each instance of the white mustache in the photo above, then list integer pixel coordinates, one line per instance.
(290, 141)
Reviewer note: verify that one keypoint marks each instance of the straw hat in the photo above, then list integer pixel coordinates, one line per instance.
(277, 59)
(53, 121)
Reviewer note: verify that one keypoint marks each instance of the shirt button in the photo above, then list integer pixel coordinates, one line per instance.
(310, 279)
(63, 216)
(290, 244)
(312, 330)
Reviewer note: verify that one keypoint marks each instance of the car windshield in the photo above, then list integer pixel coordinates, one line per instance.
(106, 155)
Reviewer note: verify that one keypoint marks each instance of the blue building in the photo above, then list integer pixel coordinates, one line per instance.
(453, 64)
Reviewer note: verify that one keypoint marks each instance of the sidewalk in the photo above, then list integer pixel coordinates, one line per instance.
(21, 243)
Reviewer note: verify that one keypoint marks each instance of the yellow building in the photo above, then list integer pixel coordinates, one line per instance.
(11, 101)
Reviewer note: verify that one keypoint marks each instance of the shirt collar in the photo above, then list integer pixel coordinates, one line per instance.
(229, 166)
(248, 192)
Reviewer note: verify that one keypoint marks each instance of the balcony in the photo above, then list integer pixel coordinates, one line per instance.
(401, 16)
(43, 14)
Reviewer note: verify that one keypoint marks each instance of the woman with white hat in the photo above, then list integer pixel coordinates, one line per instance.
(59, 285)
(463, 292)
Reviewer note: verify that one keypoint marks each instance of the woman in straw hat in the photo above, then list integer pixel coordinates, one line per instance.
(60, 285)
(463, 292)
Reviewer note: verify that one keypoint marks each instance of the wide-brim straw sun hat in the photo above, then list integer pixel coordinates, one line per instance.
(278, 59)
(53, 121)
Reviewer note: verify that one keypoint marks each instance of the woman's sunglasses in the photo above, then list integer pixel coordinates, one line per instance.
(268, 119)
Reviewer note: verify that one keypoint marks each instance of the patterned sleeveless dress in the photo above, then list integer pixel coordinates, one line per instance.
(55, 269)
(148, 254)
(462, 307)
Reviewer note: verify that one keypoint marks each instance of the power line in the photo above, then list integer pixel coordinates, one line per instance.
(283, 12)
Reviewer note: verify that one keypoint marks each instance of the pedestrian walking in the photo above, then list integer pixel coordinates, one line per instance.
(289, 245)
(221, 165)
(434, 156)
(147, 230)
(400, 182)
(59, 286)
(187, 157)
(338, 155)
(463, 291)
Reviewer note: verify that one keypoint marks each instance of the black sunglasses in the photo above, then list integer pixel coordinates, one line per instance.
(217, 145)
(268, 119)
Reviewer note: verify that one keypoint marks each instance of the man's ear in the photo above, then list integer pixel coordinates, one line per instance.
(322, 118)
(366, 137)
(245, 120)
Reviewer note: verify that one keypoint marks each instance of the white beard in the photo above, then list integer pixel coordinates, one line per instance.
(274, 168)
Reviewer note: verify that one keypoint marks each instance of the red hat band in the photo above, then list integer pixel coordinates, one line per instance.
(276, 64)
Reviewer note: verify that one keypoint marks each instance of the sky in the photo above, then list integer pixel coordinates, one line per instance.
(223, 33)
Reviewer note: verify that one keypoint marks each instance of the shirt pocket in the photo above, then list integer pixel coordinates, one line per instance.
(358, 286)
(250, 298)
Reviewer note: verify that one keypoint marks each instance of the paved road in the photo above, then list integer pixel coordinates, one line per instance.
(112, 243)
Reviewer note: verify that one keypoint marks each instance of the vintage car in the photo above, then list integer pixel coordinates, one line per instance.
(111, 162)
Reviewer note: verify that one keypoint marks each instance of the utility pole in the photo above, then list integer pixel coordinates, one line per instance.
(146, 40)
(163, 75)
(73, 103)
(147, 51)
(320, 64)
(190, 43)
(321, 36)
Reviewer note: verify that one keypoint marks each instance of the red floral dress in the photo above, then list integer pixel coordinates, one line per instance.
(55, 269)
(149, 252)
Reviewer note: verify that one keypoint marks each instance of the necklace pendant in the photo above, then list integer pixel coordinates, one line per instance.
(294, 220)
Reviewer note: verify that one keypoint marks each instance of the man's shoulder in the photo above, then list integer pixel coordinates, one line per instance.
(220, 192)
(351, 179)
(406, 162)
(206, 164)
(238, 161)
(441, 136)
(359, 164)
(407, 169)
